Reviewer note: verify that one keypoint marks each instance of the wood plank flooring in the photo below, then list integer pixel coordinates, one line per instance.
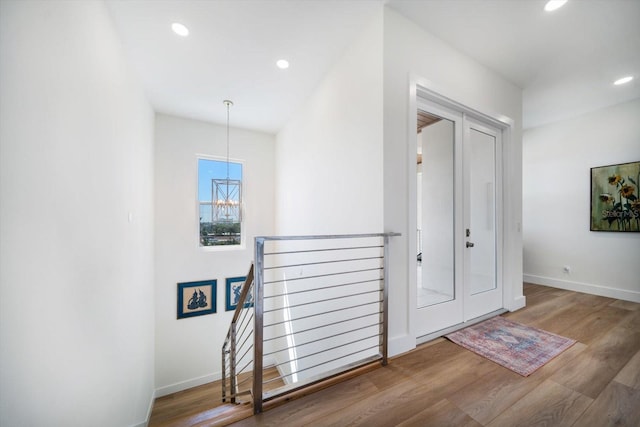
(594, 383)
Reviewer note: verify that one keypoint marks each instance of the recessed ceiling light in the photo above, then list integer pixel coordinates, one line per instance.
(623, 80)
(554, 4)
(282, 64)
(180, 29)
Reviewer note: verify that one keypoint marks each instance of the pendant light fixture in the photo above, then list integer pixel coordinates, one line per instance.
(227, 193)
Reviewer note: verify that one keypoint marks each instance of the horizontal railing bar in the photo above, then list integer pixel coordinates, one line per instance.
(240, 393)
(249, 377)
(319, 364)
(246, 312)
(244, 329)
(326, 338)
(326, 237)
(323, 262)
(322, 300)
(243, 368)
(324, 351)
(323, 326)
(305, 251)
(324, 312)
(247, 317)
(242, 348)
(323, 288)
(323, 275)
(271, 394)
(244, 354)
(245, 340)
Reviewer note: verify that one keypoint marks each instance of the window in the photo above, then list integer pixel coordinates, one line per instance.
(220, 202)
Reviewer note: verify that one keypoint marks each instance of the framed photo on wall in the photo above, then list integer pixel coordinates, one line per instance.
(615, 205)
(234, 287)
(196, 298)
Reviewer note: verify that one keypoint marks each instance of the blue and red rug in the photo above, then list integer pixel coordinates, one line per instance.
(518, 347)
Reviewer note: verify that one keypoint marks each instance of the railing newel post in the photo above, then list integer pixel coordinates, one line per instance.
(258, 325)
(385, 300)
(232, 363)
(224, 369)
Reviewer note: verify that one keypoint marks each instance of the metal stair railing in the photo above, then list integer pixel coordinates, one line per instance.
(237, 354)
(319, 309)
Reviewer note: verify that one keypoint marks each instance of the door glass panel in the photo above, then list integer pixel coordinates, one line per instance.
(482, 201)
(435, 188)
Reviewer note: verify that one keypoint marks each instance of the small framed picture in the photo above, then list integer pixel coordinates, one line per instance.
(196, 298)
(234, 287)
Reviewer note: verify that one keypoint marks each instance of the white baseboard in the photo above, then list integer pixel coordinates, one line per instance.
(195, 382)
(401, 344)
(517, 303)
(183, 385)
(588, 288)
(149, 409)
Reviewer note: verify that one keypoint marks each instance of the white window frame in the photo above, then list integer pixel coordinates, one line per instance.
(243, 231)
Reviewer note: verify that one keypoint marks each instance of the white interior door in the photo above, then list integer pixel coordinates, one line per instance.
(457, 224)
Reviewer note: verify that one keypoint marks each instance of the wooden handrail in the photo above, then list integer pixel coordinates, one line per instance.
(243, 294)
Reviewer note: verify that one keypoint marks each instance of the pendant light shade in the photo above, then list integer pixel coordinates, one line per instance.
(227, 193)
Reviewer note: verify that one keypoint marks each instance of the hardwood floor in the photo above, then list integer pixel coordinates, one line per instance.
(595, 383)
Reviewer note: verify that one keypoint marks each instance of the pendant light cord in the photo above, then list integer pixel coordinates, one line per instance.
(228, 105)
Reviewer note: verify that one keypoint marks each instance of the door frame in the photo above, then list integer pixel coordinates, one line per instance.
(424, 89)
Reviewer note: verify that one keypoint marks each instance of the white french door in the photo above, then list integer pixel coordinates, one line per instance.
(482, 290)
(458, 219)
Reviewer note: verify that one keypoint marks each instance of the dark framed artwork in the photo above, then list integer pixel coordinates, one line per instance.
(234, 287)
(196, 298)
(614, 198)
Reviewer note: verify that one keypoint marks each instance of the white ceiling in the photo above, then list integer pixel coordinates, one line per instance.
(565, 61)
(231, 53)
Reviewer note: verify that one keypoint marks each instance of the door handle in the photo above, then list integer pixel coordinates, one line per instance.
(470, 245)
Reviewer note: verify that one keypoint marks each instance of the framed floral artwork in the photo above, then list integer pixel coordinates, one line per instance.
(196, 298)
(615, 205)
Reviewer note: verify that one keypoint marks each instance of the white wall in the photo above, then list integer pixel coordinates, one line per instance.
(411, 52)
(329, 162)
(188, 350)
(556, 193)
(76, 273)
(329, 155)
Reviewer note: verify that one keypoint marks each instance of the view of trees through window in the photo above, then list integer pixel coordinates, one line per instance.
(220, 202)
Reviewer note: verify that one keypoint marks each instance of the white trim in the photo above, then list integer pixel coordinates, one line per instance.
(243, 238)
(516, 303)
(427, 90)
(588, 288)
(401, 344)
(183, 385)
(195, 382)
(149, 410)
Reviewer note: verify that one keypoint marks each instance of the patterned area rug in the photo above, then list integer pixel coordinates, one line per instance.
(521, 348)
